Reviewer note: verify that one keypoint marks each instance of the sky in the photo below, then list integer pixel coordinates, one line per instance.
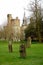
(14, 7)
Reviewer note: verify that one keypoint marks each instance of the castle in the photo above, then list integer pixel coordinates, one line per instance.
(14, 30)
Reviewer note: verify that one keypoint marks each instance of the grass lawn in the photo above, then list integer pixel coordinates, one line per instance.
(34, 55)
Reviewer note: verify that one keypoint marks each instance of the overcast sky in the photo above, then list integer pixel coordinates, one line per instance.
(14, 7)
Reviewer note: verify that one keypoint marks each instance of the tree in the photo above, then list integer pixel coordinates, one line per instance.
(31, 29)
(36, 11)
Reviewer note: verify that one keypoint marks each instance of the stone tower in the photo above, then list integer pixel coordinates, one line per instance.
(9, 17)
(17, 29)
(24, 20)
(23, 27)
(9, 27)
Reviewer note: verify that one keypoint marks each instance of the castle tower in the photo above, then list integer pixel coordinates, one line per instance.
(9, 17)
(17, 29)
(17, 21)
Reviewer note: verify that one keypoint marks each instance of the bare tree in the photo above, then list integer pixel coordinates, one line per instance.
(36, 9)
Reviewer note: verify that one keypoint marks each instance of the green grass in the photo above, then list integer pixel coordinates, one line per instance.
(34, 55)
